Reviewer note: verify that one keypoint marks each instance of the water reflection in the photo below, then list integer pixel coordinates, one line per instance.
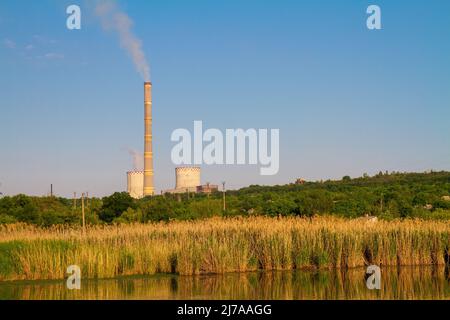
(404, 283)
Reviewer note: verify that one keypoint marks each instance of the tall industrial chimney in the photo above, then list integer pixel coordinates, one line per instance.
(149, 188)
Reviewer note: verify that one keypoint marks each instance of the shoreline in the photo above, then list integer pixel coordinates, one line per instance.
(231, 273)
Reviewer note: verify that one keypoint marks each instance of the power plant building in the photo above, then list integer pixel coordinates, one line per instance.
(207, 188)
(135, 184)
(141, 184)
(187, 180)
(148, 187)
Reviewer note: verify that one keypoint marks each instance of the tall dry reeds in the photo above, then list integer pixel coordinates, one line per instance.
(218, 246)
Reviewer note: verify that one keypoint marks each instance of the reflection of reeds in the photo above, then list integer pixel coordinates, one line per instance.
(404, 283)
(219, 246)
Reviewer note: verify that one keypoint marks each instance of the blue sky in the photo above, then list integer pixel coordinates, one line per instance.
(347, 100)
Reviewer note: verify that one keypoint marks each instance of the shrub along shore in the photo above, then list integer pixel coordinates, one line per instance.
(219, 245)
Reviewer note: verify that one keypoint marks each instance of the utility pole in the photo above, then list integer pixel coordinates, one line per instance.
(224, 197)
(381, 203)
(82, 212)
(51, 190)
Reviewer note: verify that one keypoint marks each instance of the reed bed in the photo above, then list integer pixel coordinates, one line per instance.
(220, 245)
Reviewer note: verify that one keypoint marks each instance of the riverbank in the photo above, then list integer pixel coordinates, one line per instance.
(220, 245)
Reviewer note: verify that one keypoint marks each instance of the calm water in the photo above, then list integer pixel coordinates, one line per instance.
(405, 283)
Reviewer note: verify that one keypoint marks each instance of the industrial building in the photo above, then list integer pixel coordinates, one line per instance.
(148, 187)
(135, 184)
(187, 179)
(141, 184)
(207, 188)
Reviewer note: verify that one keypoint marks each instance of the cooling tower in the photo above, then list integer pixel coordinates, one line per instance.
(148, 187)
(187, 178)
(135, 184)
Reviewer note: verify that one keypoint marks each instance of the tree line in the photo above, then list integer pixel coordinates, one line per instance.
(385, 195)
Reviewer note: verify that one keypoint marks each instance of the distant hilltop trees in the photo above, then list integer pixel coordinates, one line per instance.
(385, 196)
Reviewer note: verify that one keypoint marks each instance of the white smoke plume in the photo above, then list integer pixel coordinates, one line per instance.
(114, 19)
(138, 159)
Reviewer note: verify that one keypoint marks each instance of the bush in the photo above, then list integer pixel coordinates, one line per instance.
(21, 208)
(159, 209)
(114, 205)
(5, 219)
(130, 216)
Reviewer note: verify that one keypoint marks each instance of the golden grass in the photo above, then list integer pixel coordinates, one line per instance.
(219, 245)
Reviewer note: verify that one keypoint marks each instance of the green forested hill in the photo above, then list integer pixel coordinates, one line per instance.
(387, 196)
